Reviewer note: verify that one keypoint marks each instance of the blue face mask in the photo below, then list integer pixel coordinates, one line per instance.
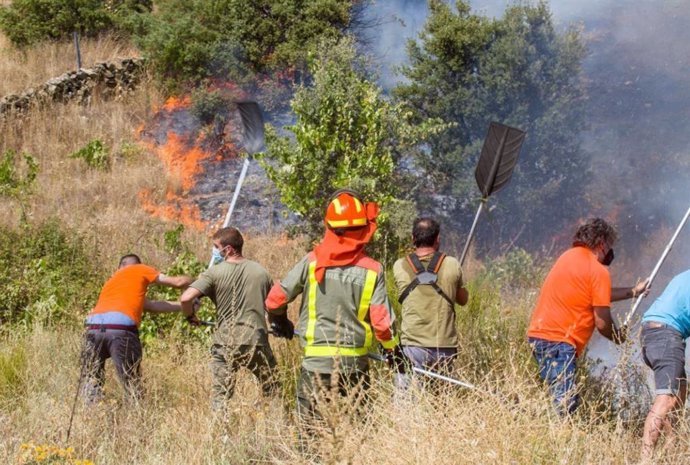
(217, 257)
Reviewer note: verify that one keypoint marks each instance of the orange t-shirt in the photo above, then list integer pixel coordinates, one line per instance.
(125, 291)
(576, 283)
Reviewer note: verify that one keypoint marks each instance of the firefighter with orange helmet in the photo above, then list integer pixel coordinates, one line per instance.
(344, 308)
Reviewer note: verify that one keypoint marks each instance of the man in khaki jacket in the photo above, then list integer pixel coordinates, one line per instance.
(429, 285)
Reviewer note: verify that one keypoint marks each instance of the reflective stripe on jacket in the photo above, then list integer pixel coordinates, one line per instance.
(339, 317)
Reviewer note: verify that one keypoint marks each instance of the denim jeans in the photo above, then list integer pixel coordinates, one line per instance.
(557, 365)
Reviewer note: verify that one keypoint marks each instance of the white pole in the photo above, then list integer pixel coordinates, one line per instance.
(238, 187)
(658, 266)
(474, 226)
(431, 374)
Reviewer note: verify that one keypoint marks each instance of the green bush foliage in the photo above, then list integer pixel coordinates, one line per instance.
(26, 22)
(46, 275)
(518, 70)
(185, 263)
(516, 269)
(95, 154)
(16, 178)
(346, 135)
(190, 40)
(209, 105)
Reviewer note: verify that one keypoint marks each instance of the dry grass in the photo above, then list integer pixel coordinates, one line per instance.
(509, 420)
(175, 424)
(23, 69)
(101, 204)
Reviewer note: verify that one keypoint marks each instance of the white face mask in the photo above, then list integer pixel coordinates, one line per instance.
(217, 257)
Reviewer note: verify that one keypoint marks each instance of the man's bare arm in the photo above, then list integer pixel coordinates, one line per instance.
(623, 293)
(178, 282)
(187, 300)
(161, 306)
(604, 324)
(462, 296)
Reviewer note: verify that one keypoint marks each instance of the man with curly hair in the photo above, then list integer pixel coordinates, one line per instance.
(575, 298)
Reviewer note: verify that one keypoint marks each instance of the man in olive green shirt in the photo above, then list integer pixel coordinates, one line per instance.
(428, 330)
(238, 287)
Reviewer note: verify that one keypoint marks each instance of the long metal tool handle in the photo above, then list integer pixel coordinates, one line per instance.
(82, 374)
(430, 374)
(238, 187)
(658, 266)
(472, 229)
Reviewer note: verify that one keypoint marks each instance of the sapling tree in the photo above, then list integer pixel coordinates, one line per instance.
(346, 134)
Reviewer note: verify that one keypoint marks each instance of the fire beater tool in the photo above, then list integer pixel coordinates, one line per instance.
(495, 167)
(421, 371)
(429, 373)
(253, 140)
(657, 267)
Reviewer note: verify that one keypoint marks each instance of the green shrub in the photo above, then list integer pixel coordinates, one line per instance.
(209, 105)
(516, 269)
(95, 154)
(16, 179)
(26, 22)
(46, 275)
(185, 263)
(191, 40)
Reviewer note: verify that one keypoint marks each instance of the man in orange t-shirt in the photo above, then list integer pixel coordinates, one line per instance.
(575, 298)
(113, 324)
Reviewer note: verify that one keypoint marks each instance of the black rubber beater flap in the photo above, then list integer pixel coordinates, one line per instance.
(252, 125)
(498, 158)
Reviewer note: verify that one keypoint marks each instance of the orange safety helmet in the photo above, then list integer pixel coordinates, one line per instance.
(346, 210)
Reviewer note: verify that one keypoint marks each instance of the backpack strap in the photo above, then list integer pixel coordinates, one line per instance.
(427, 276)
(418, 268)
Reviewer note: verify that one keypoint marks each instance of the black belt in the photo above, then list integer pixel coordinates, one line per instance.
(131, 328)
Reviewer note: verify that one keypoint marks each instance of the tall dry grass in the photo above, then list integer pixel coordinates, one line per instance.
(507, 421)
(22, 69)
(103, 205)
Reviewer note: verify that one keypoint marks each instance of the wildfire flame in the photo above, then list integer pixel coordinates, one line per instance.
(178, 140)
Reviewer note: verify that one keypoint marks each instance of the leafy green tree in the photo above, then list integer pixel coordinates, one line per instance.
(346, 135)
(191, 40)
(517, 70)
(26, 22)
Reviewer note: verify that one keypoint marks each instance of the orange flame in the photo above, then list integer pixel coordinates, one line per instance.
(182, 158)
(176, 209)
(184, 155)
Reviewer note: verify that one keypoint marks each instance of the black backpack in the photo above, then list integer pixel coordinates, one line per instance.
(426, 276)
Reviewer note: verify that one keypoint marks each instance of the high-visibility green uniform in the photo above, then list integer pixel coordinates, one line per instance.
(339, 321)
(341, 317)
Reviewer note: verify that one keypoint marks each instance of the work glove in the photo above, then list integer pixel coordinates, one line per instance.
(193, 320)
(396, 359)
(281, 326)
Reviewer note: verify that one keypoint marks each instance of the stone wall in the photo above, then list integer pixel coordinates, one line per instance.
(105, 79)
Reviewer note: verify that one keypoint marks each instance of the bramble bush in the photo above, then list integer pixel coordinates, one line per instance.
(185, 263)
(95, 154)
(46, 275)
